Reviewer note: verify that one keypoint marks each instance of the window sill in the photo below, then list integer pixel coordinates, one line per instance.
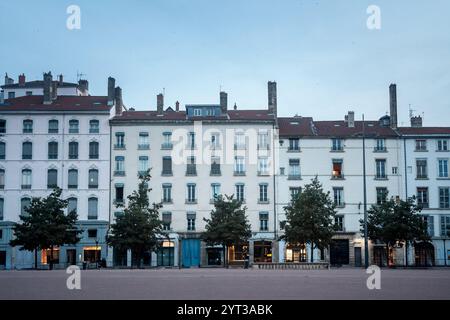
(442, 150)
(191, 174)
(422, 179)
(215, 174)
(263, 174)
(294, 151)
(443, 178)
(338, 178)
(144, 147)
(337, 151)
(191, 202)
(380, 151)
(166, 147)
(342, 206)
(92, 187)
(119, 148)
(119, 173)
(380, 179)
(239, 174)
(294, 178)
(420, 150)
(263, 202)
(167, 174)
(166, 202)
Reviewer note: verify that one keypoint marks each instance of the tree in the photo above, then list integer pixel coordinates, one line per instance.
(139, 228)
(395, 223)
(45, 226)
(228, 224)
(310, 218)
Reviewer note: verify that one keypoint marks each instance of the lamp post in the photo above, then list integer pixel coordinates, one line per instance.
(366, 241)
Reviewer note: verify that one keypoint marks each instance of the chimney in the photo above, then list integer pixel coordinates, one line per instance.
(272, 91)
(416, 122)
(2, 97)
(118, 101)
(160, 103)
(48, 79)
(235, 106)
(111, 91)
(393, 105)
(22, 79)
(61, 79)
(223, 102)
(54, 91)
(177, 106)
(350, 119)
(83, 86)
(8, 80)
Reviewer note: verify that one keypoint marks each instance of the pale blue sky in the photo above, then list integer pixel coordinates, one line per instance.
(320, 52)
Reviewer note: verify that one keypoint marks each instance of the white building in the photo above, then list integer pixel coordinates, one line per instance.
(48, 140)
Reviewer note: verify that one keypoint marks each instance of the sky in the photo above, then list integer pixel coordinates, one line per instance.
(325, 59)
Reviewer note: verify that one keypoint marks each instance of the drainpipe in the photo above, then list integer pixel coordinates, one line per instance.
(110, 191)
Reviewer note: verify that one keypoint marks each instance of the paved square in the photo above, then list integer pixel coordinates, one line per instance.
(235, 284)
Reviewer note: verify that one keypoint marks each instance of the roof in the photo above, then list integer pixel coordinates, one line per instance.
(62, 103)
(170, 115)
(38, 84)
(295, 126)
(424, 130)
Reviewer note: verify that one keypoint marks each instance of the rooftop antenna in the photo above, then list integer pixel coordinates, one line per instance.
(80, 75)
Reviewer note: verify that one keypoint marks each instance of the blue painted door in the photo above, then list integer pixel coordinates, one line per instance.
(191, 252)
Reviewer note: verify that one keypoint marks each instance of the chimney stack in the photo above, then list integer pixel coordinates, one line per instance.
(416, 122)
(111, 91)
(350, 119)
(223, 102)
(118, 101)
(83, 86)
(177, 106)
(272, 91)
(48, 79)
(160, 103)
(22, 79)
(393, 105)
(61, 79)
(54, 90)
(8, 80)
(2, 97)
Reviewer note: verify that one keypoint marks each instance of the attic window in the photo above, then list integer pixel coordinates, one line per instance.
(337, 125)
(97, 103)
(295, 123)
(370, 125)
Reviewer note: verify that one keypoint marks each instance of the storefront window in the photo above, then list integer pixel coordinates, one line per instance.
(263, 251)
(46, 256)
(296, 253)
(92, 254)
(238, 252)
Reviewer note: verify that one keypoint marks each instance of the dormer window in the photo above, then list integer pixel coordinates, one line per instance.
(197, 112)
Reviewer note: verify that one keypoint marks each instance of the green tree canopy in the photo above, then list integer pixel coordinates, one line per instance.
(139, 228)
(310, 217)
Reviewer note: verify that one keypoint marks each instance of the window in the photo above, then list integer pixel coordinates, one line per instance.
(143, 165)
(442, 145)
(215, 166)
(92, 208)
(93, 179)
(167, 166)
(52, 178)
(167, 193)
(2, 204)
(215, 140)
(429, 221)
(239, 165)
(26, 179)
(294, 168)
(215, 190)
(2, 150)
(119, 193)
(24, 205)
(263, 221)
(282, 171)
(191, 193)
(338, 197)
(294, 144)
(197, 112)
(27, 150)
(337, 172)
(28, 93)
(381, 195)
(73, 179)
(394, 170)
(11, 95)
(167, 140)
(263, 189)
(380, 165)
(445, 226)
(73, 150)
(444, 198)
(421, 145)
(191, 221)
(422, 197)
(191, 140)
(52, 150)
(94, 126)
(191, 169)
(72, 205)
(93, 150)
(263, 166)
(2, 179)
(339, 222)
(380, 145)
(73, 126)
(120, 140)
(443, 168)
(120, 166)
(240, 196)
(2, 126)
(53, 126)
(422, 172)
(167, 220)
(143, 143)
(294, 192)
(27, 126)
(263, 140)
(239, 140)
(92, 233)
(336, 144)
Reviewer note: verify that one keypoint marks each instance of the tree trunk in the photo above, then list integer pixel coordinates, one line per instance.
(406, 254)
(51, 257)
(387, 255)
(224, 256)
(35, 259)
(312, 252)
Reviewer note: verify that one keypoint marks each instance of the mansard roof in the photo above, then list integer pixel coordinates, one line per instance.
(37, 84)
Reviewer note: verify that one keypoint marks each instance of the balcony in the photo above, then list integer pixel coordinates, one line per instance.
(93, 186)
(167, 173)
(52, 186)
(263, 173)
(240, 146)
(381, 177)
(337, 149)
(239, 173)
(118, 202)
(142, 173)
(167, 146)
(294, 149)
(379, 149)
(191, 201)
(337, 176)
(294, 176)
(144, 146)
(119, 147)
(191, 170)
(119, 173)
(72, 186)
(215, 172)
(26, 186)
(167, 201)
(264, 146)
(265, 201)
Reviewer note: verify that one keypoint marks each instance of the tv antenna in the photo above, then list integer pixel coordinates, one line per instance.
(80, 75)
